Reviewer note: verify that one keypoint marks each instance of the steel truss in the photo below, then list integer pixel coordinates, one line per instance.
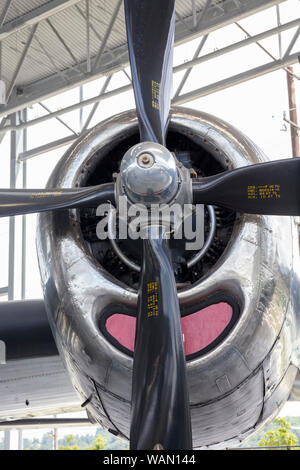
(200, 23)
(179, 98)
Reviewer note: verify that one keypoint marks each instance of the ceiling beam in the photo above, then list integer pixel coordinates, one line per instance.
(35, 16)
(237, 45)
(107, 34)
(21, 61)
(5, 11)
(3, 291)
(188, 71)
(40, 423)
(292, 43)
(237, 79)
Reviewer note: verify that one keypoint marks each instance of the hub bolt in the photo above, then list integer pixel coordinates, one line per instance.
(145, 160)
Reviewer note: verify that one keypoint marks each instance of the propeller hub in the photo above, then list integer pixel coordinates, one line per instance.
(148, 174)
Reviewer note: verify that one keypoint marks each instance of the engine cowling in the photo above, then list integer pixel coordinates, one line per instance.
(239, 304)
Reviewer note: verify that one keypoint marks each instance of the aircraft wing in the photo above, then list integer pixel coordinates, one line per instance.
(33, 379)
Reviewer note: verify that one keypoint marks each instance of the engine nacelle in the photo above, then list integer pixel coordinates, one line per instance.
(239, 303)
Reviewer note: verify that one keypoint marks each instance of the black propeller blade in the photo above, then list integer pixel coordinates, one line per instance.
(150, 34)
(271, 188)
(160, 405)
(26, 201)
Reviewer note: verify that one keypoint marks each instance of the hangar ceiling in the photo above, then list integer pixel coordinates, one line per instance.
(49, 46)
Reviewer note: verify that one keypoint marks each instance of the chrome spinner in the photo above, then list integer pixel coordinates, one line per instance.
(148, 174)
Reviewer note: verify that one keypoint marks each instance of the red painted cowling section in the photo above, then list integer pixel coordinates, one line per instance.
(200, 328)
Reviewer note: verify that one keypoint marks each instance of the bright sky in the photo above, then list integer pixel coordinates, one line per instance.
(255, 107)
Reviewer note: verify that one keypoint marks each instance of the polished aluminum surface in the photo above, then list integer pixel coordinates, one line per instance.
(148, 174)
(35, 387)
(243, 382)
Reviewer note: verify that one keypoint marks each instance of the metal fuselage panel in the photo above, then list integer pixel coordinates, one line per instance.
(236, 387)
(36, 386)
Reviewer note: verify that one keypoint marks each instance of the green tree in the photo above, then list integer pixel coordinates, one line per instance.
(71, 443)
(70, 439)
(98, 444)
(281, 435)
